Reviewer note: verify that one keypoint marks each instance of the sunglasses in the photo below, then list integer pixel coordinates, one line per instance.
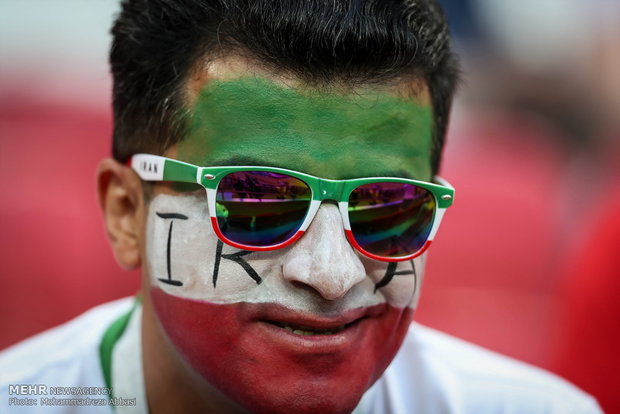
(265, 208)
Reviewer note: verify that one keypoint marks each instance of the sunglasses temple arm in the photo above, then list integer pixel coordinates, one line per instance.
(156, 168)
(148, 167)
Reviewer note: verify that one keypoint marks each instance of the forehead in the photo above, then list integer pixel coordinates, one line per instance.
(255, 120)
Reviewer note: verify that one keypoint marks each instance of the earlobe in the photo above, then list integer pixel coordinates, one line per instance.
(121, 200)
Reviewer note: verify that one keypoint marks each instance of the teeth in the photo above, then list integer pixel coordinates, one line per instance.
(304, 333)
(308, 332)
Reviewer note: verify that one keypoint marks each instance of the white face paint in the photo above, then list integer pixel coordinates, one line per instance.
(183, 261)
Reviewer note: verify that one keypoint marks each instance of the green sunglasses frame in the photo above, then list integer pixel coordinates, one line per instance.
(157, 168)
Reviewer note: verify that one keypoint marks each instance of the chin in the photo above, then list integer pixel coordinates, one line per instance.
(272, 360)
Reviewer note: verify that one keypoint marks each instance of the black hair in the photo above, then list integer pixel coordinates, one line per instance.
(158, 43)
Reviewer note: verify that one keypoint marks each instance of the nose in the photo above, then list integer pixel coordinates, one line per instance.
(323, 259)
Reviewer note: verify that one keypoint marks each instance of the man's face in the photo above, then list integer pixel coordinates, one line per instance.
(306, 328)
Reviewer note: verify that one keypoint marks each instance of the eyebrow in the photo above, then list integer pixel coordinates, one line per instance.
(243, 160)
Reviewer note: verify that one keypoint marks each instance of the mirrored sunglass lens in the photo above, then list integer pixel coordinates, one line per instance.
(261, 208)
(391, 219)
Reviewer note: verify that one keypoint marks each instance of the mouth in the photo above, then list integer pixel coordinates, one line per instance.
(321, 335)
(312, 326)
(303, 330)
(289, 331)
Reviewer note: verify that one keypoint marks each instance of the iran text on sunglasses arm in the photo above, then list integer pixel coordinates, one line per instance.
(275, 178)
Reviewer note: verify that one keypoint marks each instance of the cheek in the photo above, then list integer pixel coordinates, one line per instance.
(397, 283)
(185, 257)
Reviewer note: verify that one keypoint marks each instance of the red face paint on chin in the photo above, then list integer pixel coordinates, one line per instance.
(241, 349)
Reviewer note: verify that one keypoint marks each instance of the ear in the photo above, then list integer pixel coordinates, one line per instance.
(122, 202)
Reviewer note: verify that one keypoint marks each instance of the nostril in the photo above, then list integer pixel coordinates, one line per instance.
(304, 286)
(319, 288)
(316, 292)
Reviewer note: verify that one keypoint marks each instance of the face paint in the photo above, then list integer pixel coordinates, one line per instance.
(267, 369)
(310, 327)
(329, 135)
(182, 247)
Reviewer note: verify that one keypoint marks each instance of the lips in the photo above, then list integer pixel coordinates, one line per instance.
(309, 324)
(297, 332)
(318, 320)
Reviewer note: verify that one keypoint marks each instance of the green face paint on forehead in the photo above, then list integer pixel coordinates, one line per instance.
(256, 121)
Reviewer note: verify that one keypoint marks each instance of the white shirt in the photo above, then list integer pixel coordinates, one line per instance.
(432, 373)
